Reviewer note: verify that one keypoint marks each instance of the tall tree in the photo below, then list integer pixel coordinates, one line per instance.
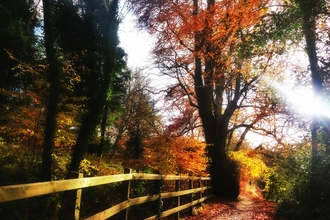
(102, 53)
(200, 43)
(89, 31)
(54, 73)
(114, 106)
(311, 10)
(315, 18)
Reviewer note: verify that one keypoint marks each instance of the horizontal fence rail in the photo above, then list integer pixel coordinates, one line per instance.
(23, 191)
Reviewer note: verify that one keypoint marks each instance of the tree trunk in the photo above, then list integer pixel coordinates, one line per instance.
(98, 97)
(320, 123)
(54, 81)
(103, 130)
(224, 172)
(309, 25)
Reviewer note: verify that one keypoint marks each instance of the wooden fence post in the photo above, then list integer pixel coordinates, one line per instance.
(200, 192)
(191, 186)
(126, 193)
(78, 200)
(158, 185)
(208, 191)
(177, 188)
(73, 199)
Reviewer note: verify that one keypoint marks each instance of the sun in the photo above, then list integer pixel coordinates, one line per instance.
(301, 98)
(307, 104)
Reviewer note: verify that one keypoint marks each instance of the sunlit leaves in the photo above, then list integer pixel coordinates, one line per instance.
(178, 155)
(190, 155)
(23, 111)
(66, 130)
(251, 163)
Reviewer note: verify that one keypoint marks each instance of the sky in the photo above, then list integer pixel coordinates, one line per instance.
(136, 42)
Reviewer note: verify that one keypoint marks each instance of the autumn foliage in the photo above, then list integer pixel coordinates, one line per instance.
(171, 155)
(252, 171)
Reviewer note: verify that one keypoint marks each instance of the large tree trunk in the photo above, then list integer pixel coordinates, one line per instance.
(54, 81)
(224, 172)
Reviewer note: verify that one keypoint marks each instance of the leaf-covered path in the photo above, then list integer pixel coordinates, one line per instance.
(239, 210)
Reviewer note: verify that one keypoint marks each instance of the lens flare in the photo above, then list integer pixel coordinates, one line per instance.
(301, 98)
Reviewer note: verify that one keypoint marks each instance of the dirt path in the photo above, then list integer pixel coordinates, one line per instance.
(240, 210)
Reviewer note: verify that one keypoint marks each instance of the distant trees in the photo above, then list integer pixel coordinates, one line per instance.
(137, 119)
(144, 143)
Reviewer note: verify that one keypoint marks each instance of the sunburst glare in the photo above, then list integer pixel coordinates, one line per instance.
(301, 98)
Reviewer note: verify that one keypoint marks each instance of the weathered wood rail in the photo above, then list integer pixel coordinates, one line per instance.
(203, 192)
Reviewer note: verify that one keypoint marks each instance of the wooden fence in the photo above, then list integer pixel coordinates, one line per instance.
(201, 189)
